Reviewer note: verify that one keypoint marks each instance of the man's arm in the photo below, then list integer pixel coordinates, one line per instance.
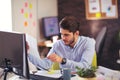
(40, 63)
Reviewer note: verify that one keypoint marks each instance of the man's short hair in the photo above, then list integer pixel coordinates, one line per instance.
(70, 23)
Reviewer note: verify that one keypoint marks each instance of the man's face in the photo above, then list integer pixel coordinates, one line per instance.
(67, 37)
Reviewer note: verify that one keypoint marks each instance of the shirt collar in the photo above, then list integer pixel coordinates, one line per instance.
(75, 43)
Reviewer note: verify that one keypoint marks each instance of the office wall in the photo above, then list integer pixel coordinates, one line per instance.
(22, 22)
(45, 8)
(5, 15)
(24, 13)
(91, 28)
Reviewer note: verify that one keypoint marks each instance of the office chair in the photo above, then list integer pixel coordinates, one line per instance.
(94, 61)
(100, 42)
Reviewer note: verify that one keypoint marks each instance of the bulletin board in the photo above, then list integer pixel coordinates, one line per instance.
(101, 9)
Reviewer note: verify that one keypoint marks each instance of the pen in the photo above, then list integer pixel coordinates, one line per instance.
(44, 69)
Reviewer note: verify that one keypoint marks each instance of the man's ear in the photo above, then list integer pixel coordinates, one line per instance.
(77, 33)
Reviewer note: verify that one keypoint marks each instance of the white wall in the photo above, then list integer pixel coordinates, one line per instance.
(24, 13)
(41, 8)
(46, 8)
(5, 15)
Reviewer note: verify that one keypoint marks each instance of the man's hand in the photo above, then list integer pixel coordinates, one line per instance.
(55, 58)
(28, 47)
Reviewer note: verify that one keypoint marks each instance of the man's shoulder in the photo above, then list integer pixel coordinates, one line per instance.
(58, 42)
(87, 41)
(85, 38)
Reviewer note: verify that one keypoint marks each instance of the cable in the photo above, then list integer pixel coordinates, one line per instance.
(6, 70)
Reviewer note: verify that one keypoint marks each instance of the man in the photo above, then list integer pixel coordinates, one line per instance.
(71, 51)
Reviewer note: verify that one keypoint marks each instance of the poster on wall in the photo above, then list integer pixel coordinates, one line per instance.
(94, 6)
(101, 9)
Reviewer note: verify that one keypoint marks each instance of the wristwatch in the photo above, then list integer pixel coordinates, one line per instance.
(64, 60)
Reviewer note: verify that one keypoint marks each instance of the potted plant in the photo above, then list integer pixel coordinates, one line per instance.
(86, 74)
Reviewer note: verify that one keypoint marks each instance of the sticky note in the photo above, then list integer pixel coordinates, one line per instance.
(98, 15)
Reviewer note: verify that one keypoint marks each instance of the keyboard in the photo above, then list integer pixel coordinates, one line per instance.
(39, 77)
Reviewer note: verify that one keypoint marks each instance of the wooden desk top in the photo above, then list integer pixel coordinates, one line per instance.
(45, 44)
(41, 43)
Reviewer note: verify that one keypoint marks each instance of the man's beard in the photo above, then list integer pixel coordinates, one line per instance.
(70, 42)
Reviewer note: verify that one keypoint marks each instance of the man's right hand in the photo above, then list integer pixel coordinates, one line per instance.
(55, 58)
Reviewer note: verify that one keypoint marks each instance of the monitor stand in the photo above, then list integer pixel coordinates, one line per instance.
(11, 76)
(7, 68)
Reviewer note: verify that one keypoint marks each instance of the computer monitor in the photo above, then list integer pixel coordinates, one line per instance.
(13, 53)
(50, 26)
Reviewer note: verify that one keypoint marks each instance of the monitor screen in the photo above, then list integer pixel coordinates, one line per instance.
(50, 26)
(13, 53)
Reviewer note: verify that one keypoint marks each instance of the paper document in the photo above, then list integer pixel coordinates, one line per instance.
(53, 73)
(33, 47)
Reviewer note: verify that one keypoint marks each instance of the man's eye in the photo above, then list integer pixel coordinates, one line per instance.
(66, 35)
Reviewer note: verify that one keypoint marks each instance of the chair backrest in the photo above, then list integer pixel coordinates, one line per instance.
(100, 39)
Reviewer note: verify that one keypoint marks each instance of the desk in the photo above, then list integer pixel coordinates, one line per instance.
(15, 77)
(44, 47)
(108, 74)
(43, 73)
(47, 43)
